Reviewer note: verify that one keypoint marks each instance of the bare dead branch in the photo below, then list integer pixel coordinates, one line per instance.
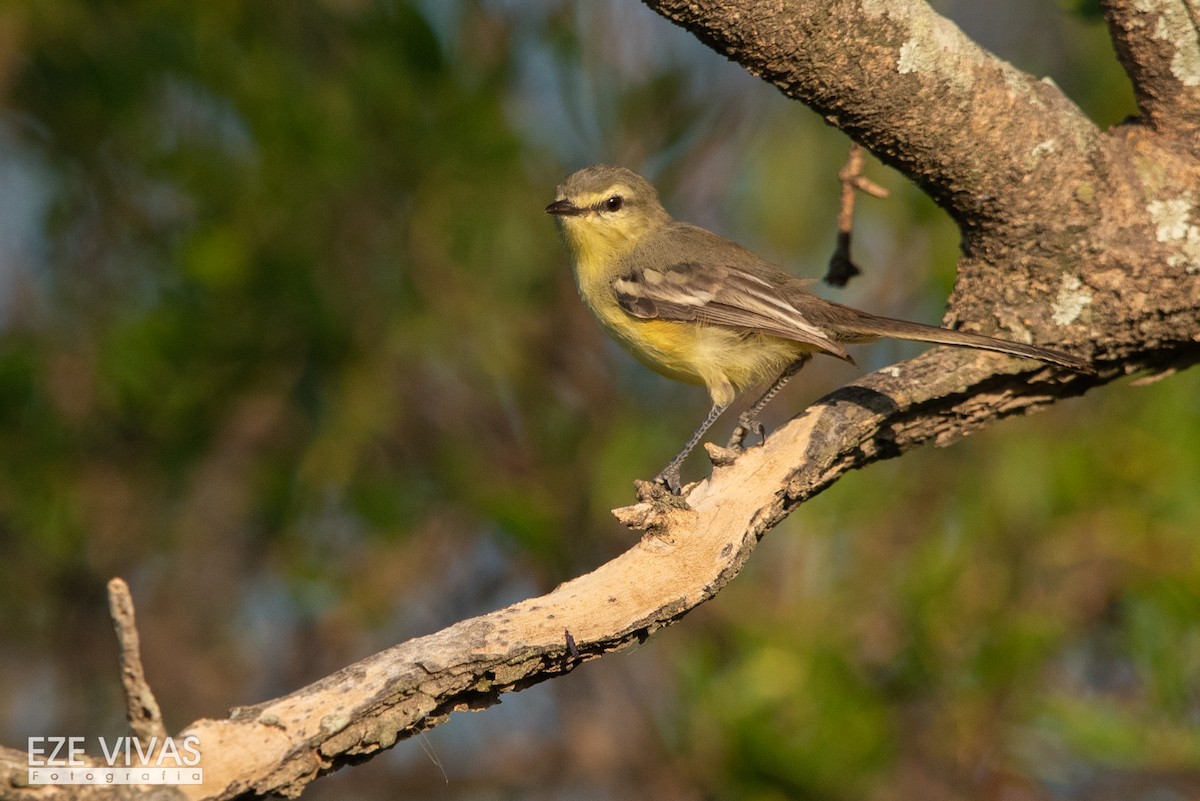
(141, 707)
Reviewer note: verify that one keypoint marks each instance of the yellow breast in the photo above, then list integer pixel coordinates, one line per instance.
(722, 359)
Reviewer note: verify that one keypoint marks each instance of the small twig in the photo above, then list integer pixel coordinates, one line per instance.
(141, 708)
(841, 267)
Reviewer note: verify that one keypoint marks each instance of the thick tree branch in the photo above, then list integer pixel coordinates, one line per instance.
(908, 84)
(1158, 42)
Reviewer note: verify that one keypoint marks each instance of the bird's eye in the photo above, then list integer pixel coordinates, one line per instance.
(614, 203)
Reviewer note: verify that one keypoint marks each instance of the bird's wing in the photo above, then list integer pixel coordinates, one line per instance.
(717, 294)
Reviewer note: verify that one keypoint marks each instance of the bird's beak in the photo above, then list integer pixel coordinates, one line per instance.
(564, 208)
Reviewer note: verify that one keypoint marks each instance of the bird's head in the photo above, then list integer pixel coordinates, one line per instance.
(605, 211)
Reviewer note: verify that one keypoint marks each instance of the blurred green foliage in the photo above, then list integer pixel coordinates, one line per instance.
(288, 343)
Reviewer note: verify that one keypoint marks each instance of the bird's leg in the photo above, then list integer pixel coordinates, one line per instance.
(748, 420)
(670, 474)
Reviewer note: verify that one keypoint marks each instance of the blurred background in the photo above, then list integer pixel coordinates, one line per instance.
(287, 342)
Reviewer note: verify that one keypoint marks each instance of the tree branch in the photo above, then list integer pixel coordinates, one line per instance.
(841, 265)
(909, 85)
(141, 708)
(1158, 42)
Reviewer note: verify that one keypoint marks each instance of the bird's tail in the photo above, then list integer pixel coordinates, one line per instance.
(870, 326)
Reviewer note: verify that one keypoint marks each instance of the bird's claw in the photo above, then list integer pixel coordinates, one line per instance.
(669, 478)
(740, 432)
(743, 430)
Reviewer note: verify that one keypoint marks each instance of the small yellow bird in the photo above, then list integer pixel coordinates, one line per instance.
(699, 308)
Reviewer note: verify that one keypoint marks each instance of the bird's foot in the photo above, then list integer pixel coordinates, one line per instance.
(744, 428)
(669, 478)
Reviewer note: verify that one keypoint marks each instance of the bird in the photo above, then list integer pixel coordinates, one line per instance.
(700, 308)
